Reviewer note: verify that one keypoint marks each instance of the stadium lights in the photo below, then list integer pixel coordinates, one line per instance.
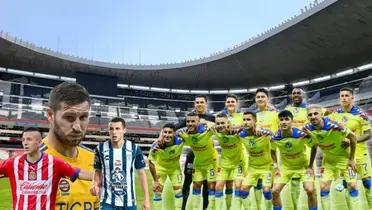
(199, 91)
(218, 91)
(20, 72)
(251, 90)
(68, 79)
(276, 87)
(239, 91)
(305, 82)
(177, 110)
(135, 107)
(159, 89)
(343, 73)
(123, 85)
(97, 104)
(179, 91)
(322, 78)
(47, 76)
(1, 93)
(137, 87)
(365, 67)
(2, 69)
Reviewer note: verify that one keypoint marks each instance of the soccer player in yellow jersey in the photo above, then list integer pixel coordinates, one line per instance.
(329, 136)
(298, 109)
(198, 137)
(357, 121)
(68, 113)
(164, 162)
(267, 118)
(232, 111)
(291, 144)
(257, 143)
(232, 156)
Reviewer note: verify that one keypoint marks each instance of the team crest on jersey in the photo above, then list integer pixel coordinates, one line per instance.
(344, 119)
(118, 181)
(32, 175)
(288, 145)
(319, 136)
(195, 139)
(64, 187)
(296, 110)
(171, 152)
(225, 139)
(251, 142)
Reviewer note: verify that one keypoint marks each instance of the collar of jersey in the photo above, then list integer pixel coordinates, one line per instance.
(296, 133)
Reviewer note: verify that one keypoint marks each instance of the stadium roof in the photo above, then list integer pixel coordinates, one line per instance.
(327, 37)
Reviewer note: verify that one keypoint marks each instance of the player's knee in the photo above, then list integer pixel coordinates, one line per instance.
(267, 195)
(276, 192)
(367, 183)
(353, 193)
(310, 190)
(324, 193)
(352, 186)
(197, 185)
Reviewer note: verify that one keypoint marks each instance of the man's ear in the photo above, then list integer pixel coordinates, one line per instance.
(50, 114)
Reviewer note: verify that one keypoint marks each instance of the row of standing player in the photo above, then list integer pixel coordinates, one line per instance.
(327, 133)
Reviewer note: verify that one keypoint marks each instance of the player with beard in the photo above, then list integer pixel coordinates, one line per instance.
(68, 114)
(201, 109)
(337, 160)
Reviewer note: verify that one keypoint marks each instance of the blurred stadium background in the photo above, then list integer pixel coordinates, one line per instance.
(326, 47)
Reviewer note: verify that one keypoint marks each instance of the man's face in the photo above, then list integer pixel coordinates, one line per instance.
(31, 141)
(297, 96)
(168, 135)
(261, 99)
(69, 123)
(249, 121)
(200, 105)
(192, 123)
(116, 131)
(346, 98)
(314, 116)
(222, 124)
(231, 104)
(285, 123)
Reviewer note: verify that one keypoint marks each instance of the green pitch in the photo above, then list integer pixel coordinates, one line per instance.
(338, 198)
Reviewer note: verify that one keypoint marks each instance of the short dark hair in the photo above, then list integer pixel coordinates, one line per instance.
(250, 113)
(221, 115)
(349, 89)
(202, 96)
(232, 96)
(118, 119)
(263, 90)
(285, 113)
(31, 129)
(192, 114)
(169, 125)
(69, 93)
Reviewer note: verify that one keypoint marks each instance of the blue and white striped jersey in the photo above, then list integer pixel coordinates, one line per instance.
(117, 167)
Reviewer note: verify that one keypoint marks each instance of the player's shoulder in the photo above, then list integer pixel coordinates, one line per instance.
(330, 124)
(297, 133)
(357, 111)
(277, 136)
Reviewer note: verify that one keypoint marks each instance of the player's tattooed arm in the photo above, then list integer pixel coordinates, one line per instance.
(353, 139)
(157, 186)
(365, 137)
(275, 162)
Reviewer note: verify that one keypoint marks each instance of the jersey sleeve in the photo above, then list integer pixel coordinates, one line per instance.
(366, 125)
(5, 167)
(152, 155)
(97, 159)
(66, 170)
(139, 162)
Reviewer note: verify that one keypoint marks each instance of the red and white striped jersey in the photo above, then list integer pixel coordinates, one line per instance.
(34, 185)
